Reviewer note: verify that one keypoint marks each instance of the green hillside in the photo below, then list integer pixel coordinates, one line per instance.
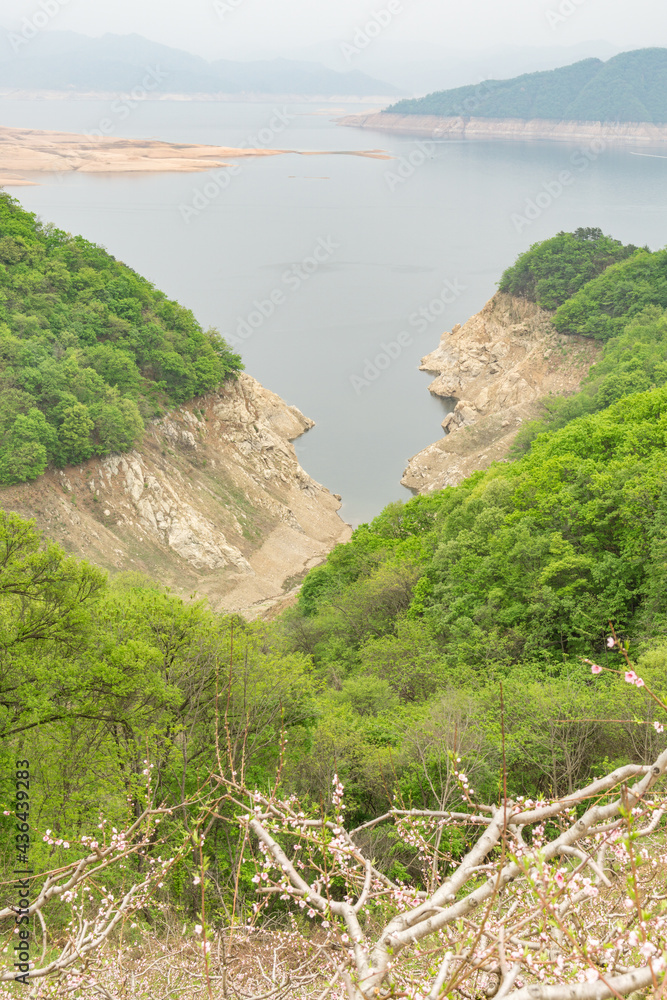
(387, 670)
(631, 87)
(88, 349)
(532, 558)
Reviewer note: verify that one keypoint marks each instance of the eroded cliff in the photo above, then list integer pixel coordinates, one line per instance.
(214, 502)
(496, 368)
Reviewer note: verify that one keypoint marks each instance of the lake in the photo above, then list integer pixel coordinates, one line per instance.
(335, 274)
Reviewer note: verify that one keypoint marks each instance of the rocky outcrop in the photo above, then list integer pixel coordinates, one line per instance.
(214, 502)
(434, 127)
(495, 369)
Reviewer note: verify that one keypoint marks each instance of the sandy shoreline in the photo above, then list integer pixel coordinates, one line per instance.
(28, 151)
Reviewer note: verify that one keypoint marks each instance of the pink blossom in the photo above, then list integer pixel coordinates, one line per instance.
(560, 879)
(611, 642)
(630, 677)
(595, 669)
(658, 726)
(639, 682)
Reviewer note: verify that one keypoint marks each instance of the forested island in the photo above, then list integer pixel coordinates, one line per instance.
(305, 782)
(631, 87)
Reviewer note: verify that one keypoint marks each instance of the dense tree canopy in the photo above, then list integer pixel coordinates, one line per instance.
(386, 672)
(631, 87)
(88, 349)
(552, 271)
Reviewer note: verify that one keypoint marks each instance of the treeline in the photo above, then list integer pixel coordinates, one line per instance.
(631, 87)
(89, 349)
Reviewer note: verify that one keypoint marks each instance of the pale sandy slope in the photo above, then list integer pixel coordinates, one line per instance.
(24, 152)
(214, 502)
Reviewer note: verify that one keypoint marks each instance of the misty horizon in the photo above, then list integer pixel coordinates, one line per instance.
(254, 29)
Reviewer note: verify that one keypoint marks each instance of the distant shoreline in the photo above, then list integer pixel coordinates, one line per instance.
(232, 98)
(28, 151)
(435, 127)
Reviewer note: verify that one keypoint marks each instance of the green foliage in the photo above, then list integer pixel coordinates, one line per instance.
(603, 306)
(631, 87)
(601, 289)
(96, 679)
(528, 561)
(633, 361)
(513, 575)
(88, 349)
(532, 95)
(539, 557)
(387, 670)
(552, 271)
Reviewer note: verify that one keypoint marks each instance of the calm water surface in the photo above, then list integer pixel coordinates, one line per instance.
(398, 260)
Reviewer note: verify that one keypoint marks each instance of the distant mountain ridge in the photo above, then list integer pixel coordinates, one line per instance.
(66, 61)
(630, 87)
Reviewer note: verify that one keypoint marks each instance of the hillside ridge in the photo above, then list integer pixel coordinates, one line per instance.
(630, 87)
(73, 63)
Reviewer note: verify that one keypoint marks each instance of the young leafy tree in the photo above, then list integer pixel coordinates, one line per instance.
(46, 602)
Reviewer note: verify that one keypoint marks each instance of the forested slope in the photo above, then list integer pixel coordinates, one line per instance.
(631, 87)
(88, 349)
(387, 671)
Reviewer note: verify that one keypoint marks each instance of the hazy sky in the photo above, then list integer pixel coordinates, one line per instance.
(249, 26)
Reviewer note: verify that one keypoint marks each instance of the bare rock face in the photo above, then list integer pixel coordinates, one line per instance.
(495, 368)
(214, 502)
(459, 127)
